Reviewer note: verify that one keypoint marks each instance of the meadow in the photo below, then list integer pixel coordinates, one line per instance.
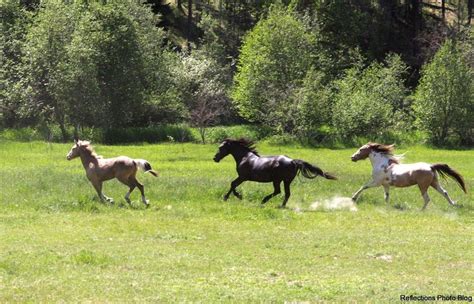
(58, 243)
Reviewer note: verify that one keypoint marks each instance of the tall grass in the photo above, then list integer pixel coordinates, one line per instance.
(58, 243)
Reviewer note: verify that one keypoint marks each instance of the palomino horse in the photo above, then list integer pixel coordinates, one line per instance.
(388, 171)
(271, 169)
(100, 169)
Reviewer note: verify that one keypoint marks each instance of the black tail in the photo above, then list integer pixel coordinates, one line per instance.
(310, 171)
(149, 169)
(444, 170)
(145, 166)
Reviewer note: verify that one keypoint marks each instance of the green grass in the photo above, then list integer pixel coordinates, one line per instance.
(59, 243)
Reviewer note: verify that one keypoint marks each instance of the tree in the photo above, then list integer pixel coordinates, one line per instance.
(204, 84)
(369, 101)
(46, 52)
(97, 65)
(14, 24)
(275, 57)
(444, 99)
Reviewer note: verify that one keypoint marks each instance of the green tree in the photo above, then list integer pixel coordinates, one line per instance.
(97, 64)
(370, 101)
(444, 99)
(45, 54)
(13, 29)
(274, 59)
(204, 84)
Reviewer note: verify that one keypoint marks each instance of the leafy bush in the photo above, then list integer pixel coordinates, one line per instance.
(218, 134)
(274, 60)
(179, 133)
(444, 99)
(370, 101)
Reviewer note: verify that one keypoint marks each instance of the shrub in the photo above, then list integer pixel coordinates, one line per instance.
(368, 100)
(218, 134)
(444, 99)
(274, 60)
(179, 133)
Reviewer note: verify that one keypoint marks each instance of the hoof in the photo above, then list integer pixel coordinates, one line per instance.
(225, 198)
(282, 207)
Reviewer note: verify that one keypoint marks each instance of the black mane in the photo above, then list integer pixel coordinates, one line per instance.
(245, 143)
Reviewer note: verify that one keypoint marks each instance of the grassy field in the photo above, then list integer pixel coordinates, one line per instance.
(58, 243)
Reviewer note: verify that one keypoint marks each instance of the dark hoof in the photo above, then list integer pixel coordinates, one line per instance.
(225, 198)
(282, 207)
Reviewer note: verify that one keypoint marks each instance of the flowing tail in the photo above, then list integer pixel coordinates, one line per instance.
(145, 166)
(444, 170)
(310, 171)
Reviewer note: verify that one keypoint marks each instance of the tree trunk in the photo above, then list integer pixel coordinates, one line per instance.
(202, 132)
(415, 18)
(388, 8)
(470, 7)
(62, 127)
(190, 22)
(443, 10)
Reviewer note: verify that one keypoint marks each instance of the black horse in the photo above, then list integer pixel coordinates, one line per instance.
(269, 169)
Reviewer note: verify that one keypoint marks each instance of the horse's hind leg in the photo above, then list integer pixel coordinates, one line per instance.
(287, 192)
(276, 191)
(424, 193)
(142, 191)
(131, 183)
(435, 184)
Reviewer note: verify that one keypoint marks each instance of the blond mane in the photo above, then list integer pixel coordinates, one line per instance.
(387, 150)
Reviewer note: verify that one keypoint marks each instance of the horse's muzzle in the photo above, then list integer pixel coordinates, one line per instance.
(353, 159)
(216, 159)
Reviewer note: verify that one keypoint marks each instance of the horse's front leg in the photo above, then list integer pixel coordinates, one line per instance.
(235, 183)
(98, 187)
(369, 184)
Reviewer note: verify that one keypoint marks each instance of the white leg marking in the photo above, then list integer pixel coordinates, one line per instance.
(445, 194)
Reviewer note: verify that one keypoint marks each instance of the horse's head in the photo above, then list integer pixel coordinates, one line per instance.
(76, 148)
(223, 151)
(370, 147)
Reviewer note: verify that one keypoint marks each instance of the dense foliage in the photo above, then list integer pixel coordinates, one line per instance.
(445, 96)
(316, 70)
(370, 101)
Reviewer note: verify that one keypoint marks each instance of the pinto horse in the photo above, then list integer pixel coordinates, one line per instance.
(388, 171)
(100, 169)
(271, 169)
